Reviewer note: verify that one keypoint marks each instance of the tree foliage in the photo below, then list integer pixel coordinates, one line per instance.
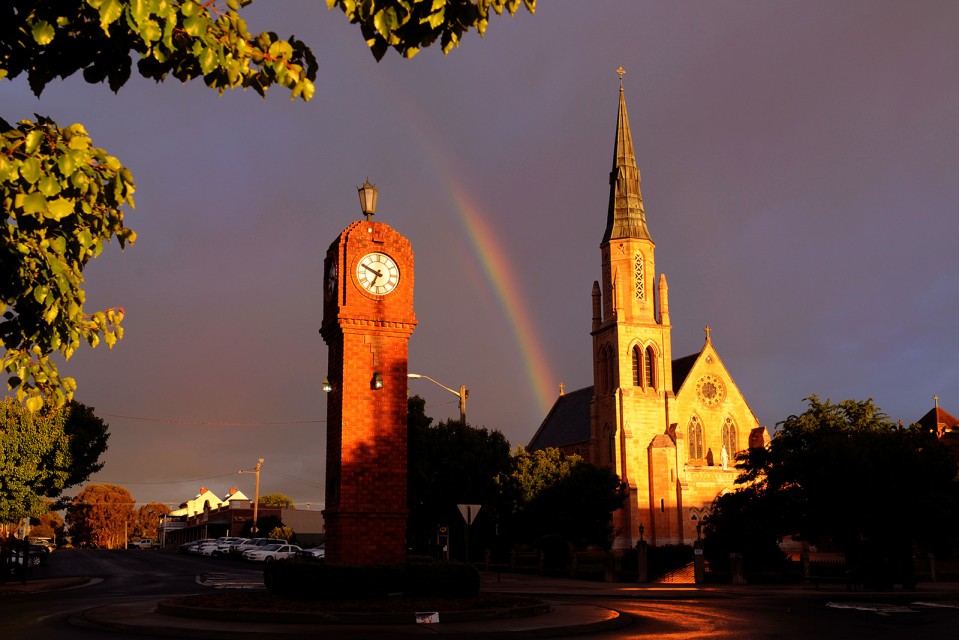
(44, 453)
(101, 516)
(842, 474)
(553, 494)
(48, 525)
(186, 39)
(146, 522)
(409, 25)
(63, 197)
(277, 500)
(450, 464)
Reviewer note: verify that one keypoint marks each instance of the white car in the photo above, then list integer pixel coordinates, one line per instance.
(271, 552)
(196, 544)
(223, 545)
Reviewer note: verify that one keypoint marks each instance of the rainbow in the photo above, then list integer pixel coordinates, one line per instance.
(496, 268)
(499, 274)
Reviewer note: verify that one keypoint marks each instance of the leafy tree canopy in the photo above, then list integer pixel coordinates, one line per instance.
(147, 520)
(844, 473)
(44, 453)
(63, 197)
(99, 516)
(409, 25)
(554, 494)
(277, 500)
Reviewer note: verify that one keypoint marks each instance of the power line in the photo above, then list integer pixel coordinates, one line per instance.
(222, 475)
(219, 423)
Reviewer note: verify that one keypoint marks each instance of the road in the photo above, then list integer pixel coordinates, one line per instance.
(752, 614)
(119, 575)
(766, 618)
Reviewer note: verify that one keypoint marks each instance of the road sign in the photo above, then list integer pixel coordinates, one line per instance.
(468, 511)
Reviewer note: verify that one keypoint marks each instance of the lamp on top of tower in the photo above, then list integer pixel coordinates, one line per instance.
(368, 194)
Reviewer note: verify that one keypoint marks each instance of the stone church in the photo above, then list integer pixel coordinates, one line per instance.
(669, 427)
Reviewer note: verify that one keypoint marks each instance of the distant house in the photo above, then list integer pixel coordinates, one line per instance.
(208, 516)
(944, 425)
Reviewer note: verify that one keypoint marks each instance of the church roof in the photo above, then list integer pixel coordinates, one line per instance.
(936, 417)
(681, 368)
(626, 217)
(566, 423)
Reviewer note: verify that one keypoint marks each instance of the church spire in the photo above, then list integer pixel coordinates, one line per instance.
(626, 217)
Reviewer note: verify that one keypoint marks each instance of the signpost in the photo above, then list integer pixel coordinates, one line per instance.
(468, 511)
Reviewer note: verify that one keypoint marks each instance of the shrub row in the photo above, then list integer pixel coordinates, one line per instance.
(297, 579)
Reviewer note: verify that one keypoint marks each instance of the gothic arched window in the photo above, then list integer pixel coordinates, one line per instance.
(637, 367)
(729, 437)
(650, 368)
(606, 366)
(612, 444)
(694, 432)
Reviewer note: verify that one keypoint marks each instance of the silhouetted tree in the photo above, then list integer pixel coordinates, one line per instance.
(451, 464)
(566, 497)
(842, 473)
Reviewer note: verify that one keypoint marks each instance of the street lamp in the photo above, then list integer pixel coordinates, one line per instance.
(368, 194)
(256, 495)
(462, 394)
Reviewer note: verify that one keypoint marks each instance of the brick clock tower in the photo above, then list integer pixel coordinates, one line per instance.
(368, 319)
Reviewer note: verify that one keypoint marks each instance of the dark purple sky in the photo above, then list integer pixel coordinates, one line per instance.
(799, 165)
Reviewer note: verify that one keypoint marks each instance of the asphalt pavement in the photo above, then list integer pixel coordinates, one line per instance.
(564, 618)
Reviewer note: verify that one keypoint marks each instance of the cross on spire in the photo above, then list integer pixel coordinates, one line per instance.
(936, 399)
(708, 332)
(621, 72)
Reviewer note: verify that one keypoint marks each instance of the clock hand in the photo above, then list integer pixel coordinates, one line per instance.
(379, 274)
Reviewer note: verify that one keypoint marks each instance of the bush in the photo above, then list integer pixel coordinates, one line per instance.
(556, 553)
(298, 579)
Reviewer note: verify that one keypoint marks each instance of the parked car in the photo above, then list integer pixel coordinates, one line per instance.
(143, 543)
(224, 544)
(314, 553)
(190, 547)
(205, 548)
(270, 552)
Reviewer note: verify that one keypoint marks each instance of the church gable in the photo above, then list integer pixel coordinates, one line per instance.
(707, 383)
(712, 415)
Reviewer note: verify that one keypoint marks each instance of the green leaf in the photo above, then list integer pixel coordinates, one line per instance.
(49, 186)
(43, 32)
(8, 170)
(195, 25)
(30, 170)
(51, 314)
(110, 11)
(34, 138)
(60, 208)
(34, 203)
(34, 403)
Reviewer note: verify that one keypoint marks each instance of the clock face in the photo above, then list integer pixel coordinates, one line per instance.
(330, 288)
(377, 273)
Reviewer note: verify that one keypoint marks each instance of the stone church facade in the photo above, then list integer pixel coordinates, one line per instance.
(669, 427)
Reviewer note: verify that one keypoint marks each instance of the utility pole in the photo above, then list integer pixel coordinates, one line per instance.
(256, 494)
